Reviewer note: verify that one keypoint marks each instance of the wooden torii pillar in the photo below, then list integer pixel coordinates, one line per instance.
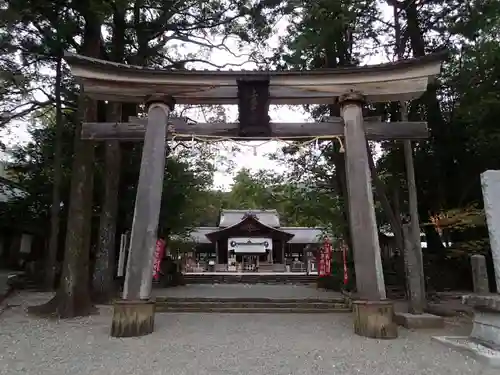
(373, 314)
(254, 91)
(367, 260)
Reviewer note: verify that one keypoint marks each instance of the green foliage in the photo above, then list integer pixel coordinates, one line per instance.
(464, 138)
(327, 34)
(187, 175)
(33, 35)
(297, 203)
(32, 167)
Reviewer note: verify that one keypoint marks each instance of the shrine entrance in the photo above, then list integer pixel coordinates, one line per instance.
(253, 91)
(249, 262)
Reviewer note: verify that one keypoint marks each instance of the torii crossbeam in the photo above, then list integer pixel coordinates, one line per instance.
(375, 130)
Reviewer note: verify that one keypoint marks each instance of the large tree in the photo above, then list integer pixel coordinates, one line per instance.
(155, 33)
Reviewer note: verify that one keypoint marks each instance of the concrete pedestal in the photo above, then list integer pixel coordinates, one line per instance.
(418, 321)
(486, 328)
(484, 340)
(133, 318)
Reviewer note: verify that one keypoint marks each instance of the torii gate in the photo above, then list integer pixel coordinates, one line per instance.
(253, 92)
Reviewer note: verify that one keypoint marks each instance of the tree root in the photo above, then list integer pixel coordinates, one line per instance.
(63, 307)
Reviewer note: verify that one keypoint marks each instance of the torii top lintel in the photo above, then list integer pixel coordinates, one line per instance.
(402, 80)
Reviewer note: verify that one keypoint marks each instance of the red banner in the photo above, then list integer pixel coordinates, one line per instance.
(158, 256)
(327, 249)
(344, 255)
(321, 263)
(325, 259)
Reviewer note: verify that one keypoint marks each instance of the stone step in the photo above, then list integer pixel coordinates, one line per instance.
(246, 310)
(249, 305)
(250, 279)
(252, 305)
(339, 299)
(253, 275)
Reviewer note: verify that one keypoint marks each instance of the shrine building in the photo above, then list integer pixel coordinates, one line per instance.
(253, 240)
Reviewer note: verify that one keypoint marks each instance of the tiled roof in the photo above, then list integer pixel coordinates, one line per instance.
(304, 235)
(198, 234)
(301, 235)
(232, 217)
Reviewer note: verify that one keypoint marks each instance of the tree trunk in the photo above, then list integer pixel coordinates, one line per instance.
(338, 159)
(51, 261)
(102, 281)
(435, 118)
(103, 286)
(394, 221)
(73, 296)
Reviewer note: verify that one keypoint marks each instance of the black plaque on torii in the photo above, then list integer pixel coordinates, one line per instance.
(253, 107)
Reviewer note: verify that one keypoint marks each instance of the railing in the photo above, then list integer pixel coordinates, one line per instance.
(295, 267)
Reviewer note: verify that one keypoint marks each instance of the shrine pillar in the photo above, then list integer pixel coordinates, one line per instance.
(134, 314)
(373, 314)
(367, 259)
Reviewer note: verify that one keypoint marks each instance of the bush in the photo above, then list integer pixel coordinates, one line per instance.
(333, 282)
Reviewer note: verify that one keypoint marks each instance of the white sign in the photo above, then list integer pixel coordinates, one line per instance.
(253, 245)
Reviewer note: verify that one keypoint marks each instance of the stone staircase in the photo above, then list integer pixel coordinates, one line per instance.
(252, 305)
(250, 278)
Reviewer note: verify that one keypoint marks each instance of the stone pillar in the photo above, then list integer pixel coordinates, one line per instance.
(134, 316)
(217, 258)
(490, 182)
(479, 274)
(367, 260)
(416, 316)
(413, 273)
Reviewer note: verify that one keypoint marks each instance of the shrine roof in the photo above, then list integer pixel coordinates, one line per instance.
(248, 224)
(304, 235)
(401, 80)
(231, 217)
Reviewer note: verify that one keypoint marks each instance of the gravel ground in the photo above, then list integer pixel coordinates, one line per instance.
(215, 344)
(246, 291)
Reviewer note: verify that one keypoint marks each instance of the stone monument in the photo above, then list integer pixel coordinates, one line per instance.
(479, 274)
(484, 341)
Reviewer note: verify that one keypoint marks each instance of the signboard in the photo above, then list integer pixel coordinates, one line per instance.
(158, 256)
(249, 245)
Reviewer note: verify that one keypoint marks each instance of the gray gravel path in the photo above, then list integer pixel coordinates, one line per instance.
(200, 344)
(246, 291)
